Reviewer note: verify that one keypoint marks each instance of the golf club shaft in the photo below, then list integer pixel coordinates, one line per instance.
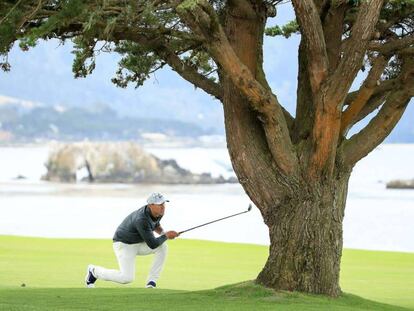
(213, 221)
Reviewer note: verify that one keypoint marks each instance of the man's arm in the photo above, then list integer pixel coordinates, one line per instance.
(159, 230)
(148, 236)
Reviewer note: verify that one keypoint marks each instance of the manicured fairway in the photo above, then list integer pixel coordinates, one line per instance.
(52, 272)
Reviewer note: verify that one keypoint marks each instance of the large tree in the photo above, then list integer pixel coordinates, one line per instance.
(295, 169)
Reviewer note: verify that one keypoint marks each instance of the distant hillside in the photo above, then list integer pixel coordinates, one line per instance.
(26, 121)
(44, 74)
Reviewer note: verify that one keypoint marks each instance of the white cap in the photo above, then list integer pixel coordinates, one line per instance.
(156, 198)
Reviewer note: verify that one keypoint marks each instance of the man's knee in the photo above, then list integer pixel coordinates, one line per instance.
(126, 279)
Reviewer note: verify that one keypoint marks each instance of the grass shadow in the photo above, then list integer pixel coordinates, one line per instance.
(240, 296)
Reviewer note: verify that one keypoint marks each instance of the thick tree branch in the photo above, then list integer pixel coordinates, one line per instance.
(364, 93)
(383, 87)
(325, 135)
(373, 103)
(333, 90)
(160, 45)
(311, 28)
(245, 8)
(393, 45)
(333, 29)
(377, 98)
(305, 110)
(202, 19)
(407, 51)
(359, 145)
(261, 78)
(288, 117)
(355, 49)
(362, 143)
(190, 73)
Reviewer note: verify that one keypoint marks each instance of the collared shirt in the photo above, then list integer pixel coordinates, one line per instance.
(138, 227)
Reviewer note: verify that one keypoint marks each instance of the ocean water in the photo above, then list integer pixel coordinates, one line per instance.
(375, 218)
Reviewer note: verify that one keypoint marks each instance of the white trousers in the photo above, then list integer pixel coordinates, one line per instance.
(126, 253)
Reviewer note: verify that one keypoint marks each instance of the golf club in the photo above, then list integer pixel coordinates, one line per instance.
(248, 210)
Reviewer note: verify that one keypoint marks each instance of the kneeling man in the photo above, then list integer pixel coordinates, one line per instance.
(135, 237)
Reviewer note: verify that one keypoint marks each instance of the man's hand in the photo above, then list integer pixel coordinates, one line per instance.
(171, 235)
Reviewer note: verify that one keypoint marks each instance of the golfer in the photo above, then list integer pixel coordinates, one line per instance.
(135, 237)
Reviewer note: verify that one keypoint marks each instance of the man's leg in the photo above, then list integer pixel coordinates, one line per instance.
(160, 254)
(125, 253)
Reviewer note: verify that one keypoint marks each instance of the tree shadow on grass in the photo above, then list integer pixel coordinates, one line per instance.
(240, 296)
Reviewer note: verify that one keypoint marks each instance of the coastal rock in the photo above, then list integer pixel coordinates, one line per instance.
(401, 184)
(123, 162)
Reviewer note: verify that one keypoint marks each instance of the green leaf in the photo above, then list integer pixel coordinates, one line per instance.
(286, 30)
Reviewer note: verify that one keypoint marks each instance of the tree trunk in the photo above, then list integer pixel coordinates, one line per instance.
(306, 240)
(249, 153)
(305, 221)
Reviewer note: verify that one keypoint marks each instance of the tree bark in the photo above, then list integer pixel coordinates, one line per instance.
(246, 139)
(306, 240)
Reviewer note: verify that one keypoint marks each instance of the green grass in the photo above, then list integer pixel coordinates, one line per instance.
(194, 278)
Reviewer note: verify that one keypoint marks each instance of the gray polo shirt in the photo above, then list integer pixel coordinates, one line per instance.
(138, 227)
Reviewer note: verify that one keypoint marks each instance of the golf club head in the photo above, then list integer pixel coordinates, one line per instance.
(250, 207)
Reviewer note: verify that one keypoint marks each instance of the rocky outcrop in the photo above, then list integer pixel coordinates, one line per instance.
(400, 184)
(123, 162)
